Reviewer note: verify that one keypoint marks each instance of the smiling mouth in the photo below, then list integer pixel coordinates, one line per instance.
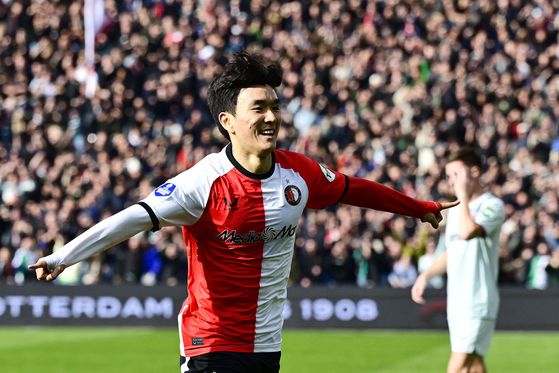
(268, 132)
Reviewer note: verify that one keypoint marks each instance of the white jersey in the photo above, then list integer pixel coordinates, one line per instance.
(473, 265)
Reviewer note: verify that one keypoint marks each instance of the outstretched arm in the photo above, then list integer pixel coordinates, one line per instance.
(101, 236)
(369, 194)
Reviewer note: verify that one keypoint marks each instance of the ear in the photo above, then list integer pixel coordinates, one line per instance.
(226, 122)
(475, 172)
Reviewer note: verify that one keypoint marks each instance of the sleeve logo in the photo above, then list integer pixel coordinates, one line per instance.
(329, 174)
(489, 213)
(165, 190)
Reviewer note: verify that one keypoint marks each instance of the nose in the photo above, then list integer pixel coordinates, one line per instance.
(270, 116)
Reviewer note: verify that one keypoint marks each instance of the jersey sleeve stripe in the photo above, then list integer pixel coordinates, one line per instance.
(345, 189)
(152, 216)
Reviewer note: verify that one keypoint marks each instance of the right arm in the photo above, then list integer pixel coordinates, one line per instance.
(105, 234)
(418, 288)
(178, 202)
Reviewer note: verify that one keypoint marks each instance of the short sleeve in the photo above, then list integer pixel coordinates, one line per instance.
(491, 216)
(181, 200)
(326, 187)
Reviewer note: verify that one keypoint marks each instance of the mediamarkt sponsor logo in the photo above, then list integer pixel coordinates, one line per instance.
(269, 234)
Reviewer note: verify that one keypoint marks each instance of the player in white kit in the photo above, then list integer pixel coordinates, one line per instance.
(471, 263)
(238, 210)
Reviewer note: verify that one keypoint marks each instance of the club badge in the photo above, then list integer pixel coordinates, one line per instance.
(292, 195)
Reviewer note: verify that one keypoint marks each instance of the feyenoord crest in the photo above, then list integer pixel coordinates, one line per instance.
(292, 195)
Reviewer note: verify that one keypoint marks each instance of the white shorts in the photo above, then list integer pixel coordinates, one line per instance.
(470, 336)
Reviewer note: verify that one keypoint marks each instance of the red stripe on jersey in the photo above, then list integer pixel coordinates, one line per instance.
(322, 192)
(225, 250)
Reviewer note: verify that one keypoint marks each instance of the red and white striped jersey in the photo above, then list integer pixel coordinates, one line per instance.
(239, 231)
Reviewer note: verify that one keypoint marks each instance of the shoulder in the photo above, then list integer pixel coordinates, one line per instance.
(289, 158)
(492, 207)
(207, 170)
(492, 200)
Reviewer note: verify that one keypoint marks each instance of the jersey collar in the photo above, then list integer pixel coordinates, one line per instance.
(244, 171)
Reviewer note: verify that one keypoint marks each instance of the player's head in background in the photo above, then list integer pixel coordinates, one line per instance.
(243, 102)
(464, 164)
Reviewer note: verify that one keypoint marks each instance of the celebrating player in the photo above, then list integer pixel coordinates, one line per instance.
(471, 263)
(239, 210)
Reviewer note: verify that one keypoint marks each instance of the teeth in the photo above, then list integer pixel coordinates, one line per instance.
(267, 132)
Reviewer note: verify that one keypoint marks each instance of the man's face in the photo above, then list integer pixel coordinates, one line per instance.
(460, 177)
(452, 169)
(255, 126)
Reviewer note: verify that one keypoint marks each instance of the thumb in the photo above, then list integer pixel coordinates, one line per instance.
(431, 219)
(55, 272)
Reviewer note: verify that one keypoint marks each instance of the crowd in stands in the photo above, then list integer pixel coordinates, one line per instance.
(382, 90)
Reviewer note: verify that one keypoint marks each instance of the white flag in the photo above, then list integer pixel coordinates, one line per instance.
(95, 20)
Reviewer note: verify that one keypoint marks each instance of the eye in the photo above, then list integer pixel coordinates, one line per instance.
(258, 108)
(276, 108)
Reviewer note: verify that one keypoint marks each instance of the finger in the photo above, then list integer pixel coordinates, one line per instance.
(447, 205)
(435, 223)
(39, 264)
(416, 295)
(419, 300)
(41, 274)
(56, 271)
(431, 219)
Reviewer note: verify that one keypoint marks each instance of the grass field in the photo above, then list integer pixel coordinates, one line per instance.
(116, 350)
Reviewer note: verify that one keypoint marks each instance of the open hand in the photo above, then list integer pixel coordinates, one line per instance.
(43, 273)
(418, 289)
(435, 218)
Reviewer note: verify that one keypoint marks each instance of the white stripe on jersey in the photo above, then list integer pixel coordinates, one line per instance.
(277, 256)
(181, 346)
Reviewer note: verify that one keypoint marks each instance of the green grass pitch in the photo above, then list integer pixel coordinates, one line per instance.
(123, 350)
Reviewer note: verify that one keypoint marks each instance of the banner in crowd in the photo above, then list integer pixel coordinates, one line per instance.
(341, 307)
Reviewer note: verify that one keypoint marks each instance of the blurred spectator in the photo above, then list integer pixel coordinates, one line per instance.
(339, 265)
(23, 257)
(376, 89)
(427, 260)
(537, 274)
(310, 263)
(173, 271)
(552, 269)
(403, 273)
(6, 271)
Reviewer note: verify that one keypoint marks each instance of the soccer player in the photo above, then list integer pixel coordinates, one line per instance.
(239, 210)
(471, 263)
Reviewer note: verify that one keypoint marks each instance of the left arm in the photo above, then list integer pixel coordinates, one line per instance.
(369, 194)
(468, 228)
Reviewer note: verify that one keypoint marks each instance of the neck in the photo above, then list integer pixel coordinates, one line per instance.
(476, 192)
(255, 163)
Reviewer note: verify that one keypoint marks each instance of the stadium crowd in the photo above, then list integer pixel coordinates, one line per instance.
(376, 89)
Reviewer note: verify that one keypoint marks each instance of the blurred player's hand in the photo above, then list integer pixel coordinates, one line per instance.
(43, 273)
(435, 218)
(418, 289)
(462, 182)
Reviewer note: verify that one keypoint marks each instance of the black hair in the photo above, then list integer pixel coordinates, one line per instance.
(469, 156)
(243, 71)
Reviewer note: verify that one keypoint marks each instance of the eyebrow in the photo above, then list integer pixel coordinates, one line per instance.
(264, 102)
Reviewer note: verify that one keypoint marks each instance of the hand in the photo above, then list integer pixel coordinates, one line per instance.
(461, 182)
(418, 289)
(43, 273)
(435, 218)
